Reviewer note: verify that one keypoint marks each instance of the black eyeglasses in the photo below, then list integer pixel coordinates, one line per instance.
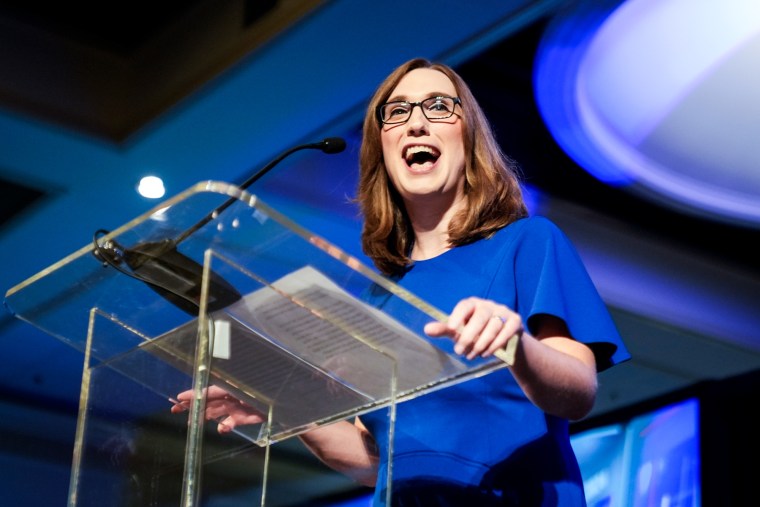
(434, 108)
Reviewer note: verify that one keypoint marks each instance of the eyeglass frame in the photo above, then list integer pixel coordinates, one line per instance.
(378, 109)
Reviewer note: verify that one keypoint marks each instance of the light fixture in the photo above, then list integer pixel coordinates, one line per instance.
(151, 187)
(660, 97)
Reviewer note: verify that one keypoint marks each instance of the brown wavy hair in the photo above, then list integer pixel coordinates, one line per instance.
(492, 183)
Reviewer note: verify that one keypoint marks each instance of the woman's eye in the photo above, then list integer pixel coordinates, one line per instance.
(398, 110)
(438, 105)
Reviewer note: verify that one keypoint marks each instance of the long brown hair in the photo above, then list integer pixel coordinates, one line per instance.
(492, 185)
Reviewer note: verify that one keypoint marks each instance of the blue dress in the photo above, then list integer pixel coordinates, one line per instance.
(482, 442)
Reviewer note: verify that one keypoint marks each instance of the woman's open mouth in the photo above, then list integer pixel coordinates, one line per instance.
(420, 156)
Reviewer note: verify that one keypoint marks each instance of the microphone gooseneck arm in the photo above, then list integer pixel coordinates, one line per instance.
(328, 145)
(176, 277)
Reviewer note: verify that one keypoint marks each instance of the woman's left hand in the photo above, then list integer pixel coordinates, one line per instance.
(479, 327)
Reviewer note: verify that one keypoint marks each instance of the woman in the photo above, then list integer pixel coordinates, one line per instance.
(444, 217)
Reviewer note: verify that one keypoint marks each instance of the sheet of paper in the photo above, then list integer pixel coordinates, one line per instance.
(311, 316)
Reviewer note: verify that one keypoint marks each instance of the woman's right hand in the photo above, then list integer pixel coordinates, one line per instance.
(222, 407)
(346, 447)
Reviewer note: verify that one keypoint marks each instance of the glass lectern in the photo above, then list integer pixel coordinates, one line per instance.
(215, 288)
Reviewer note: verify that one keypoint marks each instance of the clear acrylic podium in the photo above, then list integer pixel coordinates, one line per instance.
(214, 287)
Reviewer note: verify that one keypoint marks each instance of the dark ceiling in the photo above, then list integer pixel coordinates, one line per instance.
(109, 69)
(120, 28)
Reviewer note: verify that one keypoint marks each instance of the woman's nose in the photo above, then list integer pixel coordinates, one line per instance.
(417, 122)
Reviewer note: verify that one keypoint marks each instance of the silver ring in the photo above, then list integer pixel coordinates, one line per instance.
(502, 319)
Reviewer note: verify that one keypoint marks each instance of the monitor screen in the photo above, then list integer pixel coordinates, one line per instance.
(649, 459)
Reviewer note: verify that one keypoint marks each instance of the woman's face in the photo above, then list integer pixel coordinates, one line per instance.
(425, 158)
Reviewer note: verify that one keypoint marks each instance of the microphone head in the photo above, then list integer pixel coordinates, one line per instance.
(333, 145)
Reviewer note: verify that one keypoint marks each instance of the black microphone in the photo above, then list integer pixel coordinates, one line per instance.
(176, 277)
(332, 145)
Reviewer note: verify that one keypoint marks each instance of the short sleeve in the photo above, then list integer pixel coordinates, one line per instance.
(551, 279)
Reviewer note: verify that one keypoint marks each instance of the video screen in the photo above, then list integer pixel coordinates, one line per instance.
(652, 459)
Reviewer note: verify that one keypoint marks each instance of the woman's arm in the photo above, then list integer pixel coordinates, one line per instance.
(556, 372)
(346, 447)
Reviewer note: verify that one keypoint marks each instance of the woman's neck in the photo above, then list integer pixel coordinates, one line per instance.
(431, 230)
